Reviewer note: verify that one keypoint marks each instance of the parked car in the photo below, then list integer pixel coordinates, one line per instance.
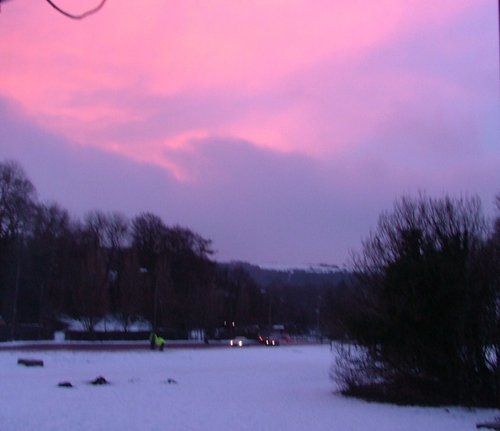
(273, 340)
(239, 342)
(270, 340)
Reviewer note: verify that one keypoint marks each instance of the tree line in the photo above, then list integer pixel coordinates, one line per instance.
(53, 265)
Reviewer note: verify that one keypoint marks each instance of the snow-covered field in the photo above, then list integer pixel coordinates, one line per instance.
(220, 389)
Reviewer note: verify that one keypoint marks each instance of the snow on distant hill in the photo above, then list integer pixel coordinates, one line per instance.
(316, 268)
(272, 274)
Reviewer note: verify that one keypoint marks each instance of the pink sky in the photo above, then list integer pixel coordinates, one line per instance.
(279, 129)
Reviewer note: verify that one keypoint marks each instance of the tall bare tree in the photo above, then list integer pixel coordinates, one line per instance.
(149, 242)
(17, 202)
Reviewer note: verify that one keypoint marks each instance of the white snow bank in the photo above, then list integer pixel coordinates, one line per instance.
(220, 389)
(108, 323)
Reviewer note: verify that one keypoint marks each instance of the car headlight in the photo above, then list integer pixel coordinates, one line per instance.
(240, 343)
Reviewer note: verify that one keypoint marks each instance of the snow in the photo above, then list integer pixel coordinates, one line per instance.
(315, 268)
(109, 323)
(222, 389)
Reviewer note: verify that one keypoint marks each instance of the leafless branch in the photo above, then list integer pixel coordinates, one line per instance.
(77, 16)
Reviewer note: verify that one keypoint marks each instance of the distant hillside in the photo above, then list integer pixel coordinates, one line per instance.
(301, 276)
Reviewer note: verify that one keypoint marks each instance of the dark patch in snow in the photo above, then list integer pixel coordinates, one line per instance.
(30, 362)
(99, 381)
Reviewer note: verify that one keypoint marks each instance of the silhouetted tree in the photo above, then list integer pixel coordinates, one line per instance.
(110, 233)
(49, 250)
(191, 278)
(494, 254)
(149, 242)
(130, 293)
(17, 201)
(426, 306)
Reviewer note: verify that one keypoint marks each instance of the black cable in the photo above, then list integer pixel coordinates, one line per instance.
(79, 16)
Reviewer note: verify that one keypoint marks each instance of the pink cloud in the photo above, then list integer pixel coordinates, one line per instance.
(234, 48)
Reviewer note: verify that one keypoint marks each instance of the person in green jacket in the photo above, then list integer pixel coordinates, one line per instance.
(160, 342)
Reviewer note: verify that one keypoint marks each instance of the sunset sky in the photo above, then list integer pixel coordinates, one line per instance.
(280, 129)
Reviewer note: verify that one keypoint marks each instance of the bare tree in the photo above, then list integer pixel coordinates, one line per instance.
(425, 309)
(71, 15)
(17, 202)
(148, 241)
(49, 250)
